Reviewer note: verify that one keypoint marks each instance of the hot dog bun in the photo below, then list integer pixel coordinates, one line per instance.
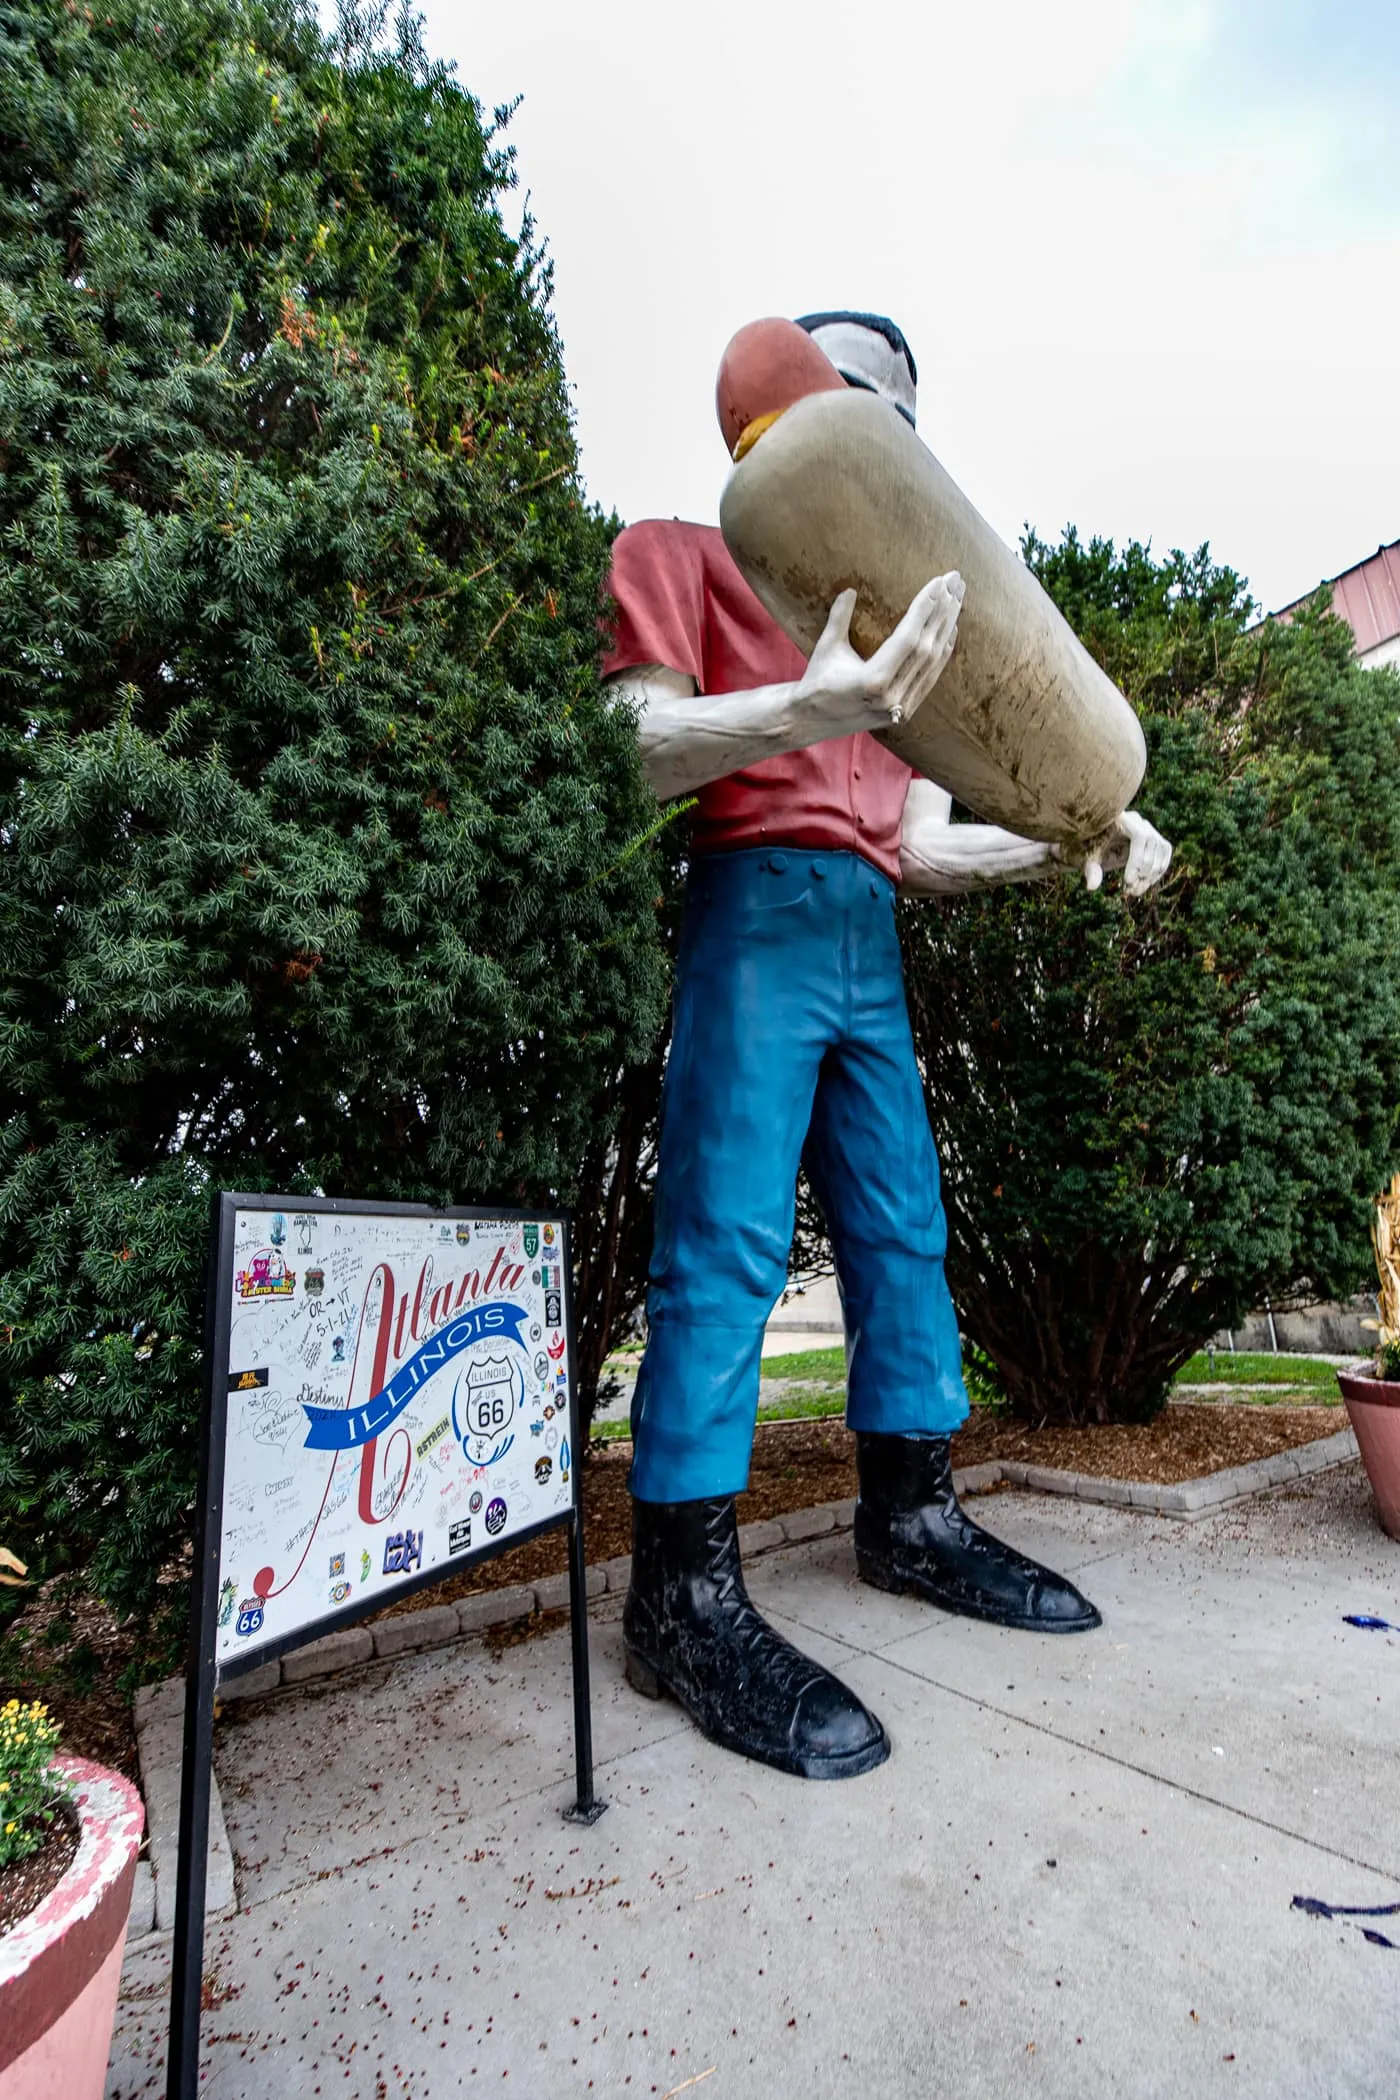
(1023, 726)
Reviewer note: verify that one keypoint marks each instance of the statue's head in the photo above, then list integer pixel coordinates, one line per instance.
(868, 351)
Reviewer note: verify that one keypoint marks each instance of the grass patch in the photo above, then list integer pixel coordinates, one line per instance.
(1280, 1396)
(828, 1367)
(806, 1363)
(1241, 1367)
(803, 1403)
(814, 1382)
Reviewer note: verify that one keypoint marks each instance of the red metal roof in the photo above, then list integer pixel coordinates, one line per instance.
(1367, 597)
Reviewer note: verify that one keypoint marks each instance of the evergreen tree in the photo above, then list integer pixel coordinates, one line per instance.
(617, 1176)
(317, 862)
(1153, 1113)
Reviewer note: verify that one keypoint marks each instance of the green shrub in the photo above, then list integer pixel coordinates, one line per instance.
(1153, 1114)
(316, 829)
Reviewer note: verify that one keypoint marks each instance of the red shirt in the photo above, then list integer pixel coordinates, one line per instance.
(682, 602)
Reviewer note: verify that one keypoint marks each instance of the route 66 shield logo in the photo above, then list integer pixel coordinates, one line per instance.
(490, 1393)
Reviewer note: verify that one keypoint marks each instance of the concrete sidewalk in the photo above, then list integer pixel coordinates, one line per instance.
(1073, 1877)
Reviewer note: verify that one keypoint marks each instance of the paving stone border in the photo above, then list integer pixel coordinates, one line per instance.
(1185, 1498)
(160, 1708)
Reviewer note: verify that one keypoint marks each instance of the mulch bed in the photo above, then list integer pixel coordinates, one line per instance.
(1185, 1442)
(24, 1885)
(795, 1464)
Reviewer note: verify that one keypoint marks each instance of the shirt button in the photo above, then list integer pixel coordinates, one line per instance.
(856, 774)
(819, 871)
(778, 863)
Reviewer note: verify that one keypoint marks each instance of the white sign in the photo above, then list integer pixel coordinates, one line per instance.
(398, 1398)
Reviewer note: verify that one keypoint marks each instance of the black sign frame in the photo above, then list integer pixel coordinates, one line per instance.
(205, 1673)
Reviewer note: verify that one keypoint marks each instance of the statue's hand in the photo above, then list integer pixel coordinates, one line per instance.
(853, 693)
(1133, 845)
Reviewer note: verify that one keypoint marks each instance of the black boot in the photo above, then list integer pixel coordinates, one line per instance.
(912, 1534)
(691, 1631)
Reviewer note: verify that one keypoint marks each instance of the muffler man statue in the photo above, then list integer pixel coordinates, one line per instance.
(791, 1045)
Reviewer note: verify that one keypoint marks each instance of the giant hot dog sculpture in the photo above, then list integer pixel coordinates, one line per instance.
(831, 490)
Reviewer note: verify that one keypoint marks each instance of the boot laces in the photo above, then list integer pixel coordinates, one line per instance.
(767, 1655)
(761, 1651)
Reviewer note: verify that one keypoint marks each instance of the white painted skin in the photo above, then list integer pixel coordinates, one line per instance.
(942, 859)
(689, 738)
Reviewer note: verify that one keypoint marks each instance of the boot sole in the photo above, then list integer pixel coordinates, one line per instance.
(900, 1582)
(645, 1677)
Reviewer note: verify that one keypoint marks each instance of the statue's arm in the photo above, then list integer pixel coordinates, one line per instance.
(942, 859)
(689, 738)
(938, 858)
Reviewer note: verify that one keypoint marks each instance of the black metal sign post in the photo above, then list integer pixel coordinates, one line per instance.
(197, 1750)
(207, 1670)
(587, 1807)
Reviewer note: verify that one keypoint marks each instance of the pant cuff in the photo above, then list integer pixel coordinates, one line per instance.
(693, 1415)
(924, 1413)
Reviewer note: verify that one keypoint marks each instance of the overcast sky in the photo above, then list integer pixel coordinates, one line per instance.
(1147, 252)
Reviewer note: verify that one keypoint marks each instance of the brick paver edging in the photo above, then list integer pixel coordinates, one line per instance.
(160, 1707)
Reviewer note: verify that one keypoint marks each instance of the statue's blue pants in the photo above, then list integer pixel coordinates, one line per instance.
(791, 1043)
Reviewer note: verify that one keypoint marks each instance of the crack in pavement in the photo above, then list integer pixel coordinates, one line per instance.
(1184, 1787)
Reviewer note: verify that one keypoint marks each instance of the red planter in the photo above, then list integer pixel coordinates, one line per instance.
(60, 1967)
(1374, 1407)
